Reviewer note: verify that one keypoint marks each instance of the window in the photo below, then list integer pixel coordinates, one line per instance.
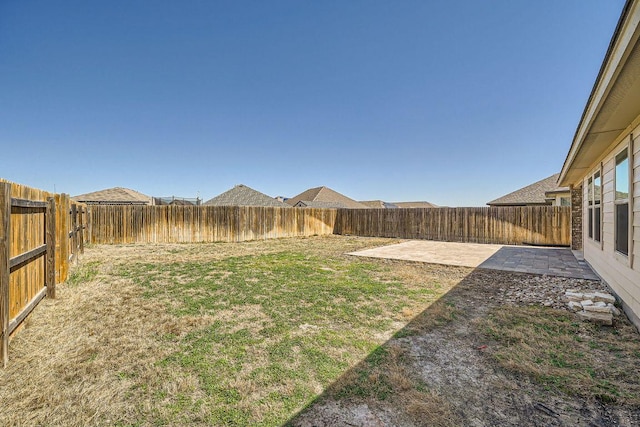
(565, 201)
(597, 191)
(621, 203)
(594, 207)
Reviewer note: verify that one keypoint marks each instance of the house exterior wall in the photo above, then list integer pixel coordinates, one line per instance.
(621, 272)
(557, 201)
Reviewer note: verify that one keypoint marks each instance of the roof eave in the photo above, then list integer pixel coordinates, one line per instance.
(609, 70)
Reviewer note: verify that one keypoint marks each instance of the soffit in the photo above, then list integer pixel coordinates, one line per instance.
(614, 104)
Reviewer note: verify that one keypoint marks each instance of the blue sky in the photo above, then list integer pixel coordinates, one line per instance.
(456, 103)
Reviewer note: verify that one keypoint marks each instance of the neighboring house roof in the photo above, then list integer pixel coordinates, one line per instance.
(181, 202)
(241, 195)
(534, 194)
(415, 205)
(321, 205)
(114, 196)
(378, 204)
(331, 198)
(613, 103)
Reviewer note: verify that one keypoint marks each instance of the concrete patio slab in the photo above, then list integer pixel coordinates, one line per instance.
(429, 251)
(525, 259)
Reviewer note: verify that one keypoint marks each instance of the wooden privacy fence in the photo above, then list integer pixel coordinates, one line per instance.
(185, 224)
(34, 252)
(544, 225)
(536, 225)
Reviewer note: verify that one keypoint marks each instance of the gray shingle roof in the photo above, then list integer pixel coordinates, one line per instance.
(533, 194)
(241, 195)
(114, 196)
(378, 204)
(317, 204)
(415, 205)
(327, 195)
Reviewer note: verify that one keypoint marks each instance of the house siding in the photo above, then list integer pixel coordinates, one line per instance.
(621, 272)
(635, 201)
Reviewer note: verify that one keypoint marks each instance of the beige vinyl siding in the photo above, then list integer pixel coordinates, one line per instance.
(624, 286)
(635, 199)
(621, 272)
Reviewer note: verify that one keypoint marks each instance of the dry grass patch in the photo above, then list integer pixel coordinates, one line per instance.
(562, 353)
(75, 361)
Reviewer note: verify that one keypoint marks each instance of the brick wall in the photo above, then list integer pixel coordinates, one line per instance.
(576, 218)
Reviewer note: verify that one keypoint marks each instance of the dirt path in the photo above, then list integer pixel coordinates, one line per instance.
(454, 360)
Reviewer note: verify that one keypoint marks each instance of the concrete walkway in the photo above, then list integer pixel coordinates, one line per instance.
(525, 259)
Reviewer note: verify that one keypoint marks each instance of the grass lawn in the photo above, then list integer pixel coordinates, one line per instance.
(562, 353)
(216, 334)
(294, 331)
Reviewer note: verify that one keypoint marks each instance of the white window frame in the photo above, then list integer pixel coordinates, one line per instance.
(621, 201)
(590, 207)
(594, 223)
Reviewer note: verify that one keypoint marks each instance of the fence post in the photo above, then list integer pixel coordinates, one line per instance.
(74, 232)
(50, 273)
(5, 256)
(82, 212)
(89, 224)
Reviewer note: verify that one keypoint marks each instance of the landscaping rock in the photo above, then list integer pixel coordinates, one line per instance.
(563, 293)
(592, 305)
(575, 306)
(597, 318)
(597, 309)
(614, 310)
(574, 296)
(604, 297)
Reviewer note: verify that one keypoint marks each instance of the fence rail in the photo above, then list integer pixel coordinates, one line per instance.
(34, 252)
(536, 225)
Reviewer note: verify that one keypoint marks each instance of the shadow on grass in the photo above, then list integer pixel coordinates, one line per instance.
(586, 367)
(384, 389)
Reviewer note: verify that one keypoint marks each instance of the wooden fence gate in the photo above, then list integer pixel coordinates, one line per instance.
(27, 259)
